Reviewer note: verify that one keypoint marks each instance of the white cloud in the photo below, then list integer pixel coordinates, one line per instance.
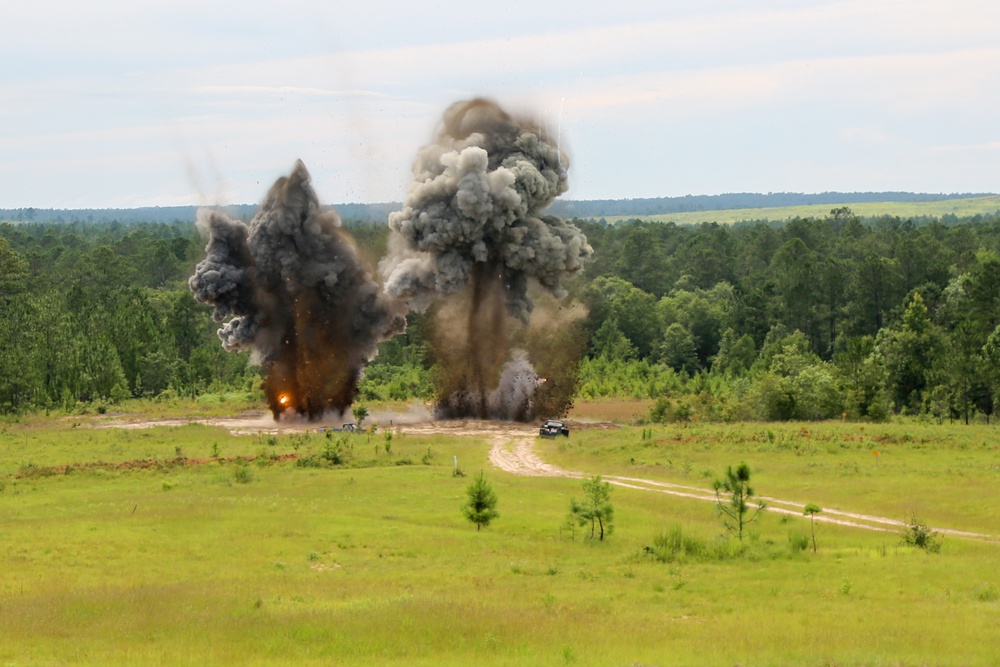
(899, 82)
(88, 90)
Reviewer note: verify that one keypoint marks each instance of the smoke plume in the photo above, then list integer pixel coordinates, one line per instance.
(473, 230)
(298, 295)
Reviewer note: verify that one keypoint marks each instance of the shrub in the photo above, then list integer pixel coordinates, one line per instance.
(244, 475)
(918, 534)
(265, 458)
(670, 546)
(309, 461)
(166, 396)
(333, 453)
(674, 546)
(661, 411)
(798, 542)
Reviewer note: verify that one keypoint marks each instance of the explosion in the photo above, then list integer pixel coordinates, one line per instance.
(472, 231)
(472, 236)
(298, 296)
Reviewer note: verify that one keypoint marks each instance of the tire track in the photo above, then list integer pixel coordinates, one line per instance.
(514, 452)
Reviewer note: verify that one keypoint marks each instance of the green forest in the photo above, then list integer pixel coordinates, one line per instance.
(808, 319)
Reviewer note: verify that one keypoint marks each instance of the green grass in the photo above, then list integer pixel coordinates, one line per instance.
(945, 474)
(958, 207)
(373, 563)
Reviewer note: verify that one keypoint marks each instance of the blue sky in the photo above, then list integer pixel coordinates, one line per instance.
(122, 104)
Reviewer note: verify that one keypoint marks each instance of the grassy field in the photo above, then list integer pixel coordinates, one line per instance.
(272, 562)
(958, 207)
(947, 475)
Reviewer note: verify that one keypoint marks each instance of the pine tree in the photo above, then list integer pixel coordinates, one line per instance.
(481, 506)
(596, 508)
(735, 510)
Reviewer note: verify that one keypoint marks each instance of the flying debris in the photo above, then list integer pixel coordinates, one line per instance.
(297, 295)
(473, 231)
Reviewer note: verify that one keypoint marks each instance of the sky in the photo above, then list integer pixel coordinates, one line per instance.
(179, 102)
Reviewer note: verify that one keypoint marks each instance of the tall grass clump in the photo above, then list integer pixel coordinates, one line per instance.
(674, 546)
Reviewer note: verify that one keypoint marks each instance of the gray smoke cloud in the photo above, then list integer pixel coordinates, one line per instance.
(512, 398)
(474, 221)
(478, 198)
(224, 278)
(298, 296)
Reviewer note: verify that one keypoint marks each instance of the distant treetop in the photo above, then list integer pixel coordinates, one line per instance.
(736, 200)
(567, 208)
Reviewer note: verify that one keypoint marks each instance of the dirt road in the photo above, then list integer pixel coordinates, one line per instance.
(513, 451)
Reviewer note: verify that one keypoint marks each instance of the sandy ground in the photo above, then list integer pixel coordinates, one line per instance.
(235, 425)
(513, 451)
(254, 423)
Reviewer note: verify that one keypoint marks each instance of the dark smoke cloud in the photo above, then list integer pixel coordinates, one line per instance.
(298, 296)
(474, 223)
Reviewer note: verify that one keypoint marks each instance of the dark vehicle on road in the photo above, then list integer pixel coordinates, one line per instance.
(552, 428)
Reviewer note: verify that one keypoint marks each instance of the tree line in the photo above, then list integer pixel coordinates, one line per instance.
(810, 319)
(101, 313)
(377, 213)
(806, 319)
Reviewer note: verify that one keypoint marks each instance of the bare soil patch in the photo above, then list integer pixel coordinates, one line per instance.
(617, 410)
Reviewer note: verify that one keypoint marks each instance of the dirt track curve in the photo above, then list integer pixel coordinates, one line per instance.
(513, 451)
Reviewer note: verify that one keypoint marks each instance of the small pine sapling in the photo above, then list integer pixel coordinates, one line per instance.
(596, 508)
(735, 510)
(481, 506)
